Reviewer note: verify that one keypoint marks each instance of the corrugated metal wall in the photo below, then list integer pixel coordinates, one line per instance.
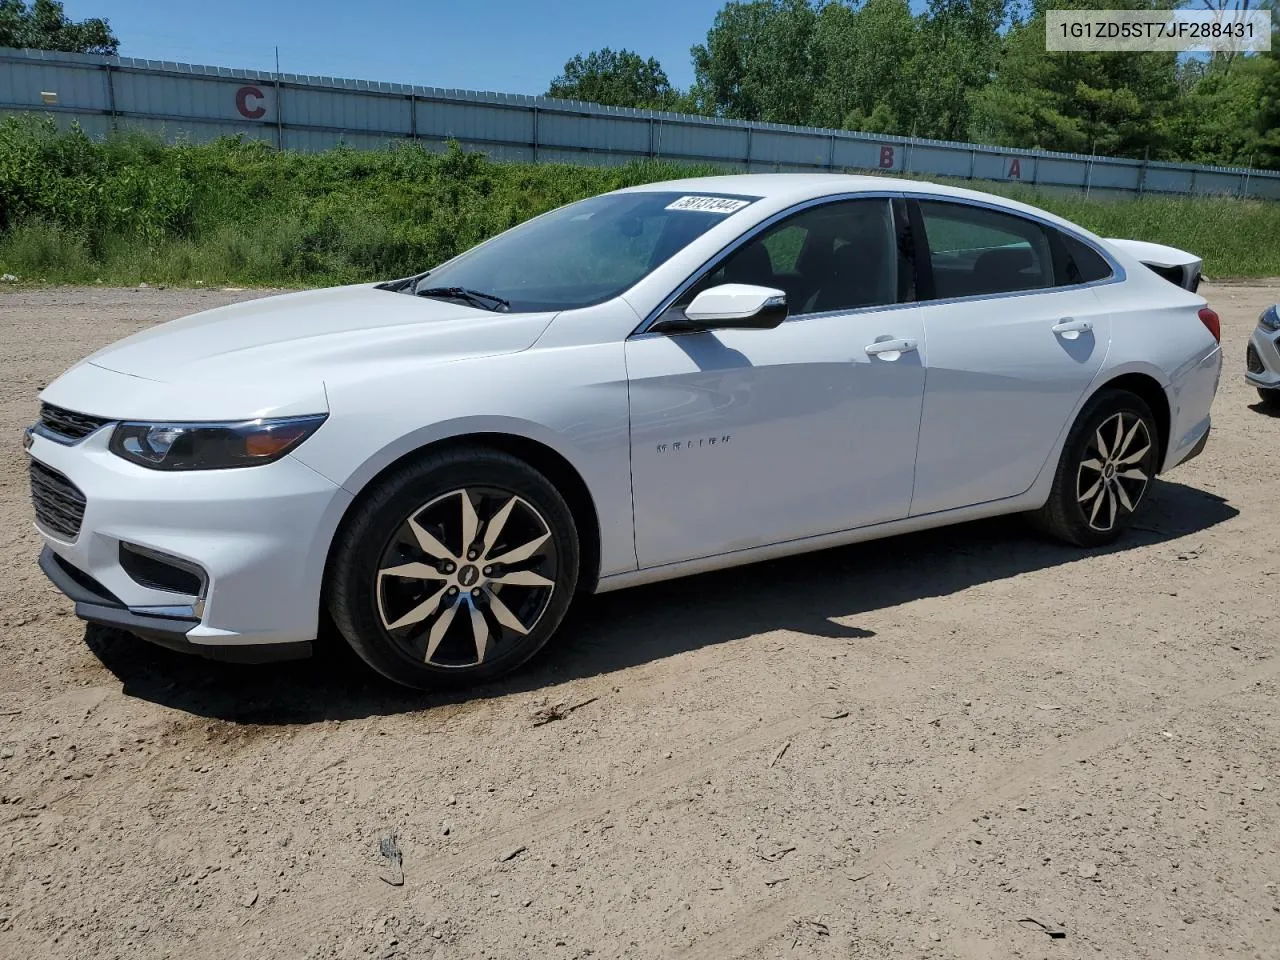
(182, 101)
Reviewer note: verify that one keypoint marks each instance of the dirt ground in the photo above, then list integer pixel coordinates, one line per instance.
(951, 744)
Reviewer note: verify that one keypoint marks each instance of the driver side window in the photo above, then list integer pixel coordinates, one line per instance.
(837, 256)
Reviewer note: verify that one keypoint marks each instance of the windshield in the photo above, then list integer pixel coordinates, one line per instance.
(585, 253)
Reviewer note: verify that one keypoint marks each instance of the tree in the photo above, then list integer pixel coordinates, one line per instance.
(861, 58)
(758, 62)
(1217, 113)
(621, 79)
(956, 55)
(1116, 104)
(1267, 121)
(44, 25)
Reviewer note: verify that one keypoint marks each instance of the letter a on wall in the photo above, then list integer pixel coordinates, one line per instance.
(1015, 169)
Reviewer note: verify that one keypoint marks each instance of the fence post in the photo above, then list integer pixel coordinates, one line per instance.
(535, 134)
(973, 160)
(413, 117)
(1191, 190)
(831, 153)
(747, 160)
(279, 106)
(111, 95)
(651, 155)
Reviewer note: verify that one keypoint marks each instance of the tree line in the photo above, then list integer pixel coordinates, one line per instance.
(968, 70)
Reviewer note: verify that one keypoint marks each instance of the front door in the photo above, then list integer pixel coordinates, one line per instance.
(742, 438)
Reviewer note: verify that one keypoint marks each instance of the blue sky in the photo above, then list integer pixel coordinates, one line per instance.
(512, 46)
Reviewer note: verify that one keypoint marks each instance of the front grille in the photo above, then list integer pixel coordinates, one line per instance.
(1253, 362)
(59, 503)
(67, 423)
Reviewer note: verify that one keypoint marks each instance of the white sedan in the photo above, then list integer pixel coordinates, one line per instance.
(654, 382)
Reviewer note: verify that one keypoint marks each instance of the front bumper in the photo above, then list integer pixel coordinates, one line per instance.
(95, 604)
(1264, 349)
(259, 534)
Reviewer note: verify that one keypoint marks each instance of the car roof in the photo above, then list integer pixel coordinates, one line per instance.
(798, 187)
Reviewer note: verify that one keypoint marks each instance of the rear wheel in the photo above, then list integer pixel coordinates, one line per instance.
(454, 570)
(1108, 462)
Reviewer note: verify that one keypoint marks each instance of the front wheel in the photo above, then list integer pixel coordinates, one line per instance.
(1107, 464)
(454, 569)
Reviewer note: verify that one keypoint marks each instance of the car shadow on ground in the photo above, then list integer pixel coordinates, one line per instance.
(819, 594)
(1266, 408)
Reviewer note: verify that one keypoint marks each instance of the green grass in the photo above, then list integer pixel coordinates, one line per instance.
(130, 209)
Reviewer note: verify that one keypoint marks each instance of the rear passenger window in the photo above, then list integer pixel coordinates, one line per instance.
(976, 250)
(1080, 263)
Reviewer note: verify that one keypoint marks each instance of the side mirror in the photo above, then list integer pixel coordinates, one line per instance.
(729, 306)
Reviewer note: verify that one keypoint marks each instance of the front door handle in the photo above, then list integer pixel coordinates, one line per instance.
(883, 348)
(1070, 329)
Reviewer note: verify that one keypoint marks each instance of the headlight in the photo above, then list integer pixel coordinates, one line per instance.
(211, 446)
(1270, 318)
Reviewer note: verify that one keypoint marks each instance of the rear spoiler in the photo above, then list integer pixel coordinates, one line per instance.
(1176, 266)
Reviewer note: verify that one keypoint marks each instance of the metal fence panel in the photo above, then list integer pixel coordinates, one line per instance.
(22, 84)
(599, 134)
(1218, 183)
(196, 98)
(474, 122)
(1169, 180)
(942, 161)
(348, 110)
(1063, 172)
(182, 101)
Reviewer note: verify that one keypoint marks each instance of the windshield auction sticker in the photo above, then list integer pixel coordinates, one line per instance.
(1190, 31)
(721, 205)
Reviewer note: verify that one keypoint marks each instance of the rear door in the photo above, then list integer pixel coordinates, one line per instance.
(1016, 334)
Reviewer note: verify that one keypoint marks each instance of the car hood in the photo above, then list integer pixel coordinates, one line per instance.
(317, 329)
(269, 356)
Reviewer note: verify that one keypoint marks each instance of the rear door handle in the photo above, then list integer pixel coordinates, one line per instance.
(895, 347)
(1069, 329)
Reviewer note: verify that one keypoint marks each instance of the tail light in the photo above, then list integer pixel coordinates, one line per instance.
(1211, 323)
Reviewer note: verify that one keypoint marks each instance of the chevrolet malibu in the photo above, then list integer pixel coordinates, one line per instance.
(651, 383)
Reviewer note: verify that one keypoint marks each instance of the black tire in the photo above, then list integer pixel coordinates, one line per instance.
(379, 535)
(1086, 515)
(1270, 398)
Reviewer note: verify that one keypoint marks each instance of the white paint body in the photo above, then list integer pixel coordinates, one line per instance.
(827, 443)
(1265, 342)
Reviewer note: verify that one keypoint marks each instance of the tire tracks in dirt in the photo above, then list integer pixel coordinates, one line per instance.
(756, 923)
(801, 717)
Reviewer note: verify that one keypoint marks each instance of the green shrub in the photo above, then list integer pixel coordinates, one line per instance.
(130, 208)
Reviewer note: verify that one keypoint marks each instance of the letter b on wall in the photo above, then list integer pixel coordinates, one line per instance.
(886, 158)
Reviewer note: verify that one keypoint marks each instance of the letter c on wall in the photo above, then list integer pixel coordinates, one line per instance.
(243, 95)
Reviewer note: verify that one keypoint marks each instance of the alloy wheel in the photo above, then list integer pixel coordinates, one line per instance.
(469, 572)
(1112, 478)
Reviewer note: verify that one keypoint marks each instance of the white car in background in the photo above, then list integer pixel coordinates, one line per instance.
(1262, 357)
(655, 382)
